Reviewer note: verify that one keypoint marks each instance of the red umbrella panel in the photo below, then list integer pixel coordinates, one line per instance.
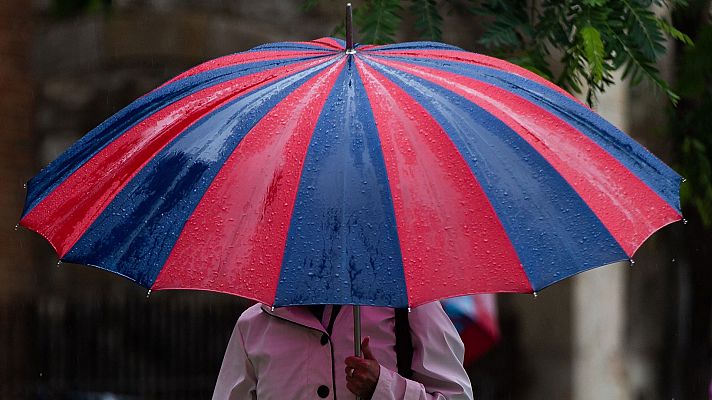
(299, 173)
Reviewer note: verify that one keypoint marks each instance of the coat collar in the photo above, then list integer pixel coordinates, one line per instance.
(298, 315)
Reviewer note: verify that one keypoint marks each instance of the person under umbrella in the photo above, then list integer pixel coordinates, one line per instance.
(303, 352)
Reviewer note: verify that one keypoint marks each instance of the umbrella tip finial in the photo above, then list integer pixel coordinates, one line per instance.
(349, 31)
(535, 294)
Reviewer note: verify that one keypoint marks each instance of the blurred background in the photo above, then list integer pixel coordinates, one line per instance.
(72, 332)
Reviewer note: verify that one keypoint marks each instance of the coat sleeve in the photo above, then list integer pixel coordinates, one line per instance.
(236, 380)
(438, 355)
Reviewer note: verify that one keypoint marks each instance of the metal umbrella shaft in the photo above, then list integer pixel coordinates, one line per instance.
(357, 333)
(356, 308)
(349, 30)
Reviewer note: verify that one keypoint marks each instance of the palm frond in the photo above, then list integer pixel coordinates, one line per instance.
(428, 22)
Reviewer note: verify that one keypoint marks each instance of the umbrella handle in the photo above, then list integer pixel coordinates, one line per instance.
(357, 333)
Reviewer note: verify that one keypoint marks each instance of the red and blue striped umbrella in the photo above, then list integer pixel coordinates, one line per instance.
(301, 173)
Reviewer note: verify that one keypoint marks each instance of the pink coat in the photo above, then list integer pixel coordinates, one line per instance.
(286, 354)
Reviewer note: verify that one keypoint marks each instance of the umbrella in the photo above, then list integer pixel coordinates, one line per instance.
(325, 172)
(475, 318)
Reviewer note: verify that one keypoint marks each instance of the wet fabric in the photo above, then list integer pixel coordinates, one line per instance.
(298, 174)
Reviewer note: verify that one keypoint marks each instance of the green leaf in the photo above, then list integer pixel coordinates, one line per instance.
(593, 51)
(643, 29)
(593, 37)
(509, 26)
(428, 20)
(378, 20)
(307, 5)
(674, 32)
(501, 33)
(637, 67)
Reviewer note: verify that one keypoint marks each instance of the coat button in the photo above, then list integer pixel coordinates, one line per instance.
(323, 391)
(324, 339)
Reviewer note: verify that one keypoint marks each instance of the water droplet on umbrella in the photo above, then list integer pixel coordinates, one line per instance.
(632, 262)
(148, 294)
(684, 221)
(17, 226)
(535, 294)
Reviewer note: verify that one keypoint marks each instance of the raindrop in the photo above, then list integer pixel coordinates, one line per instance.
(17, 226)
(148, 294)
(409, 309)
(59, 262)
(272, 308)
(673, 260)
(535, 294)
(684, 180)
(684, 221)
(24, 185)
(632, 262)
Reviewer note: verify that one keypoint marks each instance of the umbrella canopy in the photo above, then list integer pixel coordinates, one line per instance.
(299, 173)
